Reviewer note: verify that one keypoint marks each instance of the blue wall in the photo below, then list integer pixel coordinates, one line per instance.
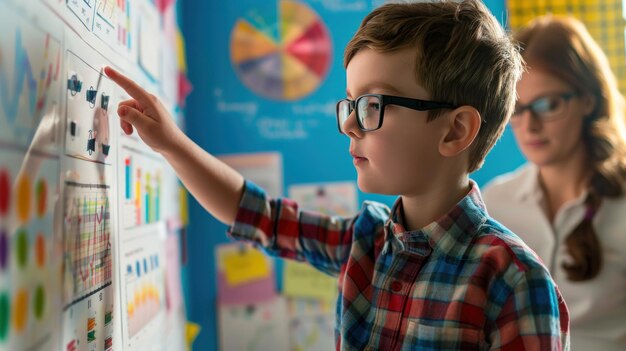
(311, 148)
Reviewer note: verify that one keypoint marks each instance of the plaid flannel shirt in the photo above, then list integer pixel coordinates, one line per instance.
(464, 282)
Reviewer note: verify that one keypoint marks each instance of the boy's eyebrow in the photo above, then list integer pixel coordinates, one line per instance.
(378, 86)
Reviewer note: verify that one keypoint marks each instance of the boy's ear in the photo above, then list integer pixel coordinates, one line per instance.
(464, 124)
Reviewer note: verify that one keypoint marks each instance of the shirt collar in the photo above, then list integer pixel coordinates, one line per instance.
(449, 235)
(529, 188)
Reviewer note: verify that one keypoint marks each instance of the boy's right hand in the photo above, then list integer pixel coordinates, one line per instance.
(214, 184)
(146, 113)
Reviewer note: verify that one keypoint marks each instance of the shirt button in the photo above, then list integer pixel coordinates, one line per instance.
(396, 286)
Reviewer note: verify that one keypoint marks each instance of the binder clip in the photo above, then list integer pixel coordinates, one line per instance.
(74, 85)
(91, 96)
(73, 127)
(104, 103)
(105, 149)
(91, 143)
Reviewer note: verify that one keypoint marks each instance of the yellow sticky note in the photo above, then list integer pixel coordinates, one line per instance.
(180, 50)
(302, 280)
(184, 207)
(192, 331)
(245, 265)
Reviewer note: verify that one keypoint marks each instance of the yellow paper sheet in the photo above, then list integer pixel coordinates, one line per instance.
(192, 332)
(245, 265)
(302, 280)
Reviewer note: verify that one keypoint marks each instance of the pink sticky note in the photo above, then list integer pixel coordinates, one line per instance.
(253, 291)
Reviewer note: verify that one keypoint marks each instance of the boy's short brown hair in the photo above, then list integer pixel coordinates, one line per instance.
(463, 56)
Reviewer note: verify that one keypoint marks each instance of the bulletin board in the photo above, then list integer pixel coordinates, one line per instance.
(86, 212)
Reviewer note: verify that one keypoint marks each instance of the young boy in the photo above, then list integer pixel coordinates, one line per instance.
(435, 272)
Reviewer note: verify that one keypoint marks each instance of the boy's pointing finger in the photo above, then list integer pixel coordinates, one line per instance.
(130, 86)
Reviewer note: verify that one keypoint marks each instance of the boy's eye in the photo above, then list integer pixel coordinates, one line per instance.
(369, 106)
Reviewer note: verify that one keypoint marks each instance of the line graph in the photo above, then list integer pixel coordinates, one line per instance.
(106, 10)
(24, 73)
(111, 23)
(87, 244)
(29, 75)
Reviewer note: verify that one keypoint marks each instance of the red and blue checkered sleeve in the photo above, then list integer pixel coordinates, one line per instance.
(533, 315)
(282, 229)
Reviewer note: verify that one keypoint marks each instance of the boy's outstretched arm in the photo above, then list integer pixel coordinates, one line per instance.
(213, 183)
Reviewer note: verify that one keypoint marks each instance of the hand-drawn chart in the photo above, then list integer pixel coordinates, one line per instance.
(88, 255)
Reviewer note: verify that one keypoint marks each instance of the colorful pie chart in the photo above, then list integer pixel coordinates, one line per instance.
(289, 66)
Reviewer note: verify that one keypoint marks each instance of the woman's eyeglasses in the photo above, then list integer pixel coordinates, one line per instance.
(547, 108)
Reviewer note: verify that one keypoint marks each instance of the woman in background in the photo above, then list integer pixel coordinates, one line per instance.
(568, 203)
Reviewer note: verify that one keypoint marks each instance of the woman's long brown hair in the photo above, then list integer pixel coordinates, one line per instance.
(563, 47)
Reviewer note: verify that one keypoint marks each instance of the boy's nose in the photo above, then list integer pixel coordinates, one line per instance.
(350, 126)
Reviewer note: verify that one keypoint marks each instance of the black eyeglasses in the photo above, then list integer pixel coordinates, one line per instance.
(546, 108)
(370, 109)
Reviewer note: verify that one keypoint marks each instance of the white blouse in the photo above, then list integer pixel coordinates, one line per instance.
(597, 307)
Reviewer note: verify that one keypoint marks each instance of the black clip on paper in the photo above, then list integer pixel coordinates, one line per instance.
(73, 126)
(91, 96)
(105, 149)
(74, 85)
(91, 143)
(104, 103)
